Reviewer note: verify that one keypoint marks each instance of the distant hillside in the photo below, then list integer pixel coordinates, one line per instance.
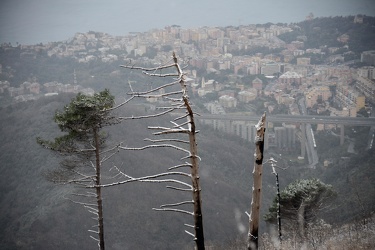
(352, 175)
(325, 31)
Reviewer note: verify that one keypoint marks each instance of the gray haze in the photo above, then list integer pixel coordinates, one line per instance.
(35, 21)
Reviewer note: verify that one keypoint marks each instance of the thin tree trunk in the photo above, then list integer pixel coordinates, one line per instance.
(257, 186)
(278, 207)
(198, 219)
(301, 220)
(99, 191)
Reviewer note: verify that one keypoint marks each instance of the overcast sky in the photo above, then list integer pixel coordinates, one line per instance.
(34, 21)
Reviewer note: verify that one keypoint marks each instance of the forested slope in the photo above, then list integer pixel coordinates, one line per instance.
(34, 214)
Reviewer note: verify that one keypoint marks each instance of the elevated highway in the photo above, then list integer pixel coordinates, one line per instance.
(292, 119)
(303, 120)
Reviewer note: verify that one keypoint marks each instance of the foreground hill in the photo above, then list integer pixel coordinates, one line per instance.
(34, 214)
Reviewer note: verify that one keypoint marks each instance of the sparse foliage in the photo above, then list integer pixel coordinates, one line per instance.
(300, 202)
(83, 147)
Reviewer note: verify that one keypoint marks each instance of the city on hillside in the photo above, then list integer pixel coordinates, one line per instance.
(248, 69)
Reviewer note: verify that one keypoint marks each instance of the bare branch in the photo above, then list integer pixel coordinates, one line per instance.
(152, 90)
(160, 75)
(94, 238)
(191, 234)
(120, 105)
(177, 204)
(173, 99)
(172, 131)
(147, 116)
(181, 117)
(181, 125)
(151, 178)
(180, 189)
(84, 195)
(158, 95)
(105, 158)
(95, 210)
(186, 164)
(158, 127)
(191, 156)
(147, 69)
(156, 146)
(165, 140)
(174, 210)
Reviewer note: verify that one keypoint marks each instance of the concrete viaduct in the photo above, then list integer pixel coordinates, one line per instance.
(297, 119)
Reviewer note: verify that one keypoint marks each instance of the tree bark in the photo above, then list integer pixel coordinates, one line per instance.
(98, 190)
(301, 220)
(198, 218)
(257, 186)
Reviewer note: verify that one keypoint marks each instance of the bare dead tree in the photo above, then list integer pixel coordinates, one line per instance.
(254, 218)
(173, 137)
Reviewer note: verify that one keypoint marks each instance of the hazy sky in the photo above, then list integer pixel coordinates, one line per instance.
(34, 21)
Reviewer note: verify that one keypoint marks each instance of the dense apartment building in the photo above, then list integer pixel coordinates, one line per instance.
(228, 101)
(367, 87)
(290, 77)
(247, 95)
(367, 72)
(317, 93)
(349, 97)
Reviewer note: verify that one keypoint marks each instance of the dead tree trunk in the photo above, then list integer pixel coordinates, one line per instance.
(98, 189)
(301, 220)
(278, 204)
(188, 128)
(252, 242)
(198, 218)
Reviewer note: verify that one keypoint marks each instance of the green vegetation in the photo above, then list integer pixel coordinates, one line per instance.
(83, 120)
(300, 201)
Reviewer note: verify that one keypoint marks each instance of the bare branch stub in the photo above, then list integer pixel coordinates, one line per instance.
(178, 101)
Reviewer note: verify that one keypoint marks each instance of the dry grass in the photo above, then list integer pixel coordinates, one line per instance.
(321, 236)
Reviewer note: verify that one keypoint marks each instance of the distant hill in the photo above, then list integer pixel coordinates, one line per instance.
(324, 31)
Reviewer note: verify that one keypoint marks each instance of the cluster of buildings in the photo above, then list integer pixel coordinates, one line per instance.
(351, 90)
(32, 91)
(289, 72)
